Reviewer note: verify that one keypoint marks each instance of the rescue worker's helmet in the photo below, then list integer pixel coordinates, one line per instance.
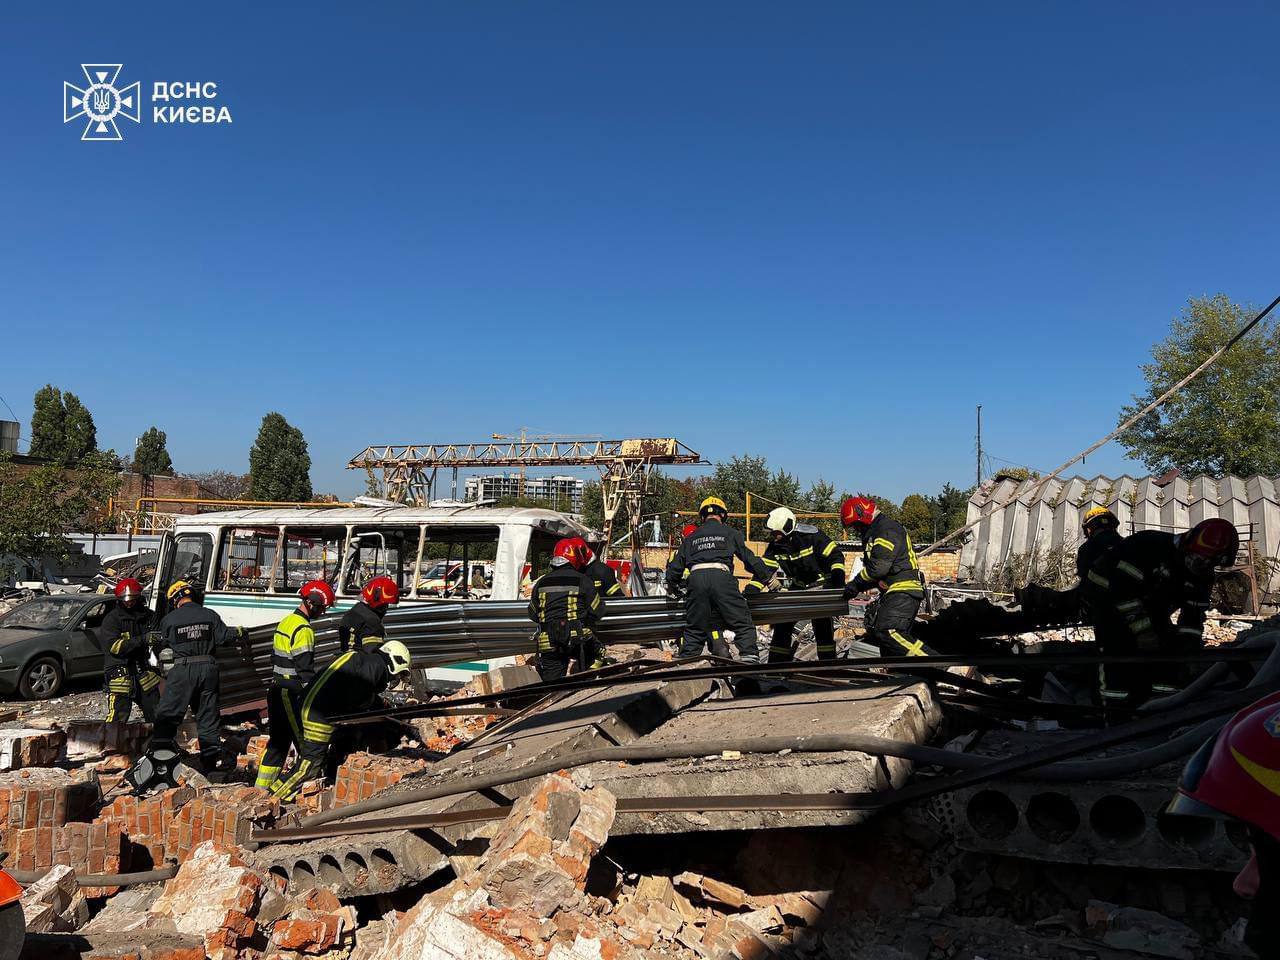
(1098, 518)
(317, 593)
(857, 511)
(381, 592)
(582, 545)
(571, 552)
(1210, 543)
(128, 589)
(397, 655)
(712, 505)
(179, 590)
(688, 529)
(781, 521)
(1236, 775)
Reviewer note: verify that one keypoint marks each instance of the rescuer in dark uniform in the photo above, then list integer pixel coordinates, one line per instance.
(713, 597)
(128, 633)
(889, 564)
(807, 557)
(292, 669)
(601, 574)
(565, 606)
(1140, 583)
(348, 685)
(362, 624)
(193, 633)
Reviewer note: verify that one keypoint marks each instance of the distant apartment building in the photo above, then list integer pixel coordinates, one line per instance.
(563, 493)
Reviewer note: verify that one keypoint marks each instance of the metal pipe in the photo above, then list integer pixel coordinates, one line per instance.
(28, 877)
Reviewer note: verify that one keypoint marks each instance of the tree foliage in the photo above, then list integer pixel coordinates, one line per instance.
(279, 464)
(917, 516)
(151, 455)
(1225, 420)
(40, 505)
(62, 428)
(224, 485)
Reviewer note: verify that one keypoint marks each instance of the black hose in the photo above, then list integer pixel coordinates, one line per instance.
(28, 877)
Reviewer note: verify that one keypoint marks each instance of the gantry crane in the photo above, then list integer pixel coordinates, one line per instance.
(409, 470)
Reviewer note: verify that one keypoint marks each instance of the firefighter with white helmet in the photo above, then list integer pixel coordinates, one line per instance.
(349, 684)
(808, 558)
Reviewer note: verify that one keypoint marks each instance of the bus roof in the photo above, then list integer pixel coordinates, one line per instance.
(341, 516)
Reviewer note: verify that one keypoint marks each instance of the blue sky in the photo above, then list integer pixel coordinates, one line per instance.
(820, 233)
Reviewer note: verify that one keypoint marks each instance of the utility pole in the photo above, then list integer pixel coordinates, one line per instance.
(979, 445)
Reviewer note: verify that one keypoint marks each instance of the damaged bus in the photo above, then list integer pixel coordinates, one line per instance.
(251, 563)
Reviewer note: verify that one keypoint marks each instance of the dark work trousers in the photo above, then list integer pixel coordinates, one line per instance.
(713, 601)
(554, 659)
(895, 619)
(284, 730)
(781, 651)
(193, 682)
(126, 686)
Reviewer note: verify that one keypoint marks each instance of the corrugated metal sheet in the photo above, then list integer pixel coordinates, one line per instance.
(1019, 520)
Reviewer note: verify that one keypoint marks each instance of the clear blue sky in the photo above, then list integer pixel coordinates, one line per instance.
(819, 232)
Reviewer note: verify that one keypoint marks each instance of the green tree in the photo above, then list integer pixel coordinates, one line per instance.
(62, 427)
(48, 424)
(1224, 421)
(279, 465)
(950, 509)
(151, 455)
(40, 506)
(81, 433)
(917, 516)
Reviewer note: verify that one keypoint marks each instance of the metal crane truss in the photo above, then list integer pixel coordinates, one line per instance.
(443, 633)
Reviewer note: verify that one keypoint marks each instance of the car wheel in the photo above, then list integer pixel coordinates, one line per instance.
(42, 679)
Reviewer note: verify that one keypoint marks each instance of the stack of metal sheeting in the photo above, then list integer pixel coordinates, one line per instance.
(441, 633)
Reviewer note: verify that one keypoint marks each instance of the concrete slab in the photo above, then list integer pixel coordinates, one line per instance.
(1120, 822)
(894, 709)
(675, 713)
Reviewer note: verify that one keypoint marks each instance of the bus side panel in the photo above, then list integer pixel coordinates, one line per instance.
(513, 549)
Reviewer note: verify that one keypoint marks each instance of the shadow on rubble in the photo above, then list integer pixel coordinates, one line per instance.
(897, 888)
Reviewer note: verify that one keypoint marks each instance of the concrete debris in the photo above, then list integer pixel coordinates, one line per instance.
(25, 747)
(1142, 931)
(563, 876)
(214, 895)
(87, 739)
(55, 903)
(539, 857)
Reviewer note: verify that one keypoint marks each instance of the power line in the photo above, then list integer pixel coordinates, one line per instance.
(1154, 404)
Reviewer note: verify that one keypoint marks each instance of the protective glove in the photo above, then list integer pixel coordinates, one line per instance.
(676, 590)
(851, 590)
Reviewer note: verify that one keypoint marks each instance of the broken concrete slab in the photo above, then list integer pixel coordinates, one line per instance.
(55, 903)
(154, 945)
(356, 866)
(216, 895)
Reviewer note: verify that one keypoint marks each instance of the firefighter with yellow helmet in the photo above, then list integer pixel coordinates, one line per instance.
(713, 600)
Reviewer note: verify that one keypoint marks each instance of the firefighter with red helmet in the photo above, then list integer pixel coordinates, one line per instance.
(293, 667)
(1236, 776)
(565, 605)
(128, 633)
(1137, 587)
(601, 574)
(362, 626)
(889, 565)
